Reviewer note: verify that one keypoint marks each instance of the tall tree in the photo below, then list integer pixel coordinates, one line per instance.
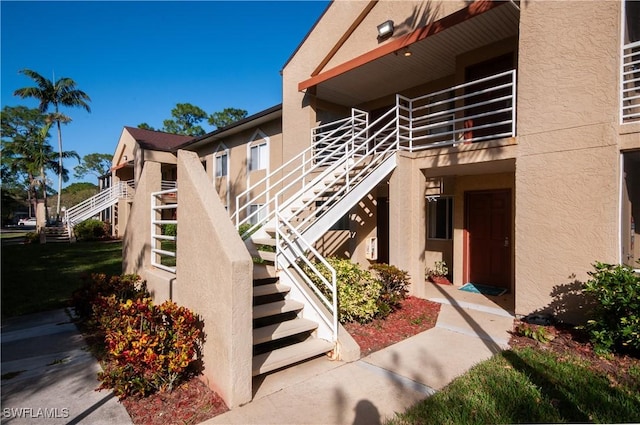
(62, 92)
(146, 126)
(186, 118)
(226, 117)
(97, 164)
(32, 155)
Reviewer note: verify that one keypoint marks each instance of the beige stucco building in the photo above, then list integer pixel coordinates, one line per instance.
(500, 137)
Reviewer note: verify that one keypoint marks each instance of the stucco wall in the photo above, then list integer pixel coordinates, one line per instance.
(214, 279)
(136, 242)
(407, 221)
(567, 171)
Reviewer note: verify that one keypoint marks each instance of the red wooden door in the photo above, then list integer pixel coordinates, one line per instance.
(488, 238)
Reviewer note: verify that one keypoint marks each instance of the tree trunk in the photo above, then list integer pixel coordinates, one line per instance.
(59, 166)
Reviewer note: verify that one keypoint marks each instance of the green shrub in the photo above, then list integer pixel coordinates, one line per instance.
(616, 319)
(358, 292)
(394, 284)
(32, 237)
(122, 288)
(150, 348)
(170, 229)
(90, 230)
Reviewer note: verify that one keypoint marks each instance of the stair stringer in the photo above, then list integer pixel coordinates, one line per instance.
(322, 224)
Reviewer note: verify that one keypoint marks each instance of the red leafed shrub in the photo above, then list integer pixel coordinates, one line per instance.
(150, 348)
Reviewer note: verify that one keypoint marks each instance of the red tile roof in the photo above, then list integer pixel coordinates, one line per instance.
(157, 140)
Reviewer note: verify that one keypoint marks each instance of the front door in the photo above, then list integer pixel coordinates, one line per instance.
(488, 238)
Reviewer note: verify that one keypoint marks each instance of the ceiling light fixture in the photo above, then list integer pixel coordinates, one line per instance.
(385, 30)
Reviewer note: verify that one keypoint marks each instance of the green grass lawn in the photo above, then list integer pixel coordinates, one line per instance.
(13, 235)
(531, 386)
(42, 277)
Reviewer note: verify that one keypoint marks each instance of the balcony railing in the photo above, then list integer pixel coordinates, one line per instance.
(630, 83)
(476, 111)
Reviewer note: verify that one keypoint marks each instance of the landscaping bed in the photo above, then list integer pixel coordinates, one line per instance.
(415, 315)
(193, 402)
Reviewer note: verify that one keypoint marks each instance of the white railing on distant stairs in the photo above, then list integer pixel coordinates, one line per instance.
(97, 203)
(163, 245)
(630, 83)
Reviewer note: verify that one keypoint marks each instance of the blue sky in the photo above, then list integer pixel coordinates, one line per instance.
(136, 60)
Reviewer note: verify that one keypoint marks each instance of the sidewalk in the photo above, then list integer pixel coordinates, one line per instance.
(49, 376)
(388, 381)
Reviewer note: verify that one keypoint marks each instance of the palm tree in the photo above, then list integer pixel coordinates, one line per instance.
(61, 93)
(33, 155)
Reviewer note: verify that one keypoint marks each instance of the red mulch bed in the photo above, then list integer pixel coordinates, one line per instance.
(568, 342)
(415, 315)
(193, 402)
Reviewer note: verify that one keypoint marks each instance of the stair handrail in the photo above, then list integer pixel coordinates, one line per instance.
(296, 250)
(308, 166)
(96, 203)
(369, 153)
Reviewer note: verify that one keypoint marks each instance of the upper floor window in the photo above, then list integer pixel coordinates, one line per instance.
(258, 157)
(222, 165)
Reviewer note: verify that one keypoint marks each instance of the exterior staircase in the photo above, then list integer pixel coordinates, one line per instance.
(57, 234)
(294, 319)
(88, 208)
(281, 336)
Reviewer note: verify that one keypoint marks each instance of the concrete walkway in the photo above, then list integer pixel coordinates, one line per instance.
(49, 376)
(388, 381)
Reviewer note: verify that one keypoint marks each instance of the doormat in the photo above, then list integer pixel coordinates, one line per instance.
(482, 289)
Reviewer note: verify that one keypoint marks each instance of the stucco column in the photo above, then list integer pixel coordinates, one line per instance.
(407, 222)
(136, 247)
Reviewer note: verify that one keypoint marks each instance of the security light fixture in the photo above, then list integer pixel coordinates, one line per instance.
(385, 30)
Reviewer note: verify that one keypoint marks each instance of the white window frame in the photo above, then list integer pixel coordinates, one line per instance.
(260, 216)
(222, 164)
(262, 157)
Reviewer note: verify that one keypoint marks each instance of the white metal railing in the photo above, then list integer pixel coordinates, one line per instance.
(476, 111)
(630, 83)
(355, 162)
(163, 245)
(97, 203)
(343, 153)
(303, 257)
(349, 166)
(295, 173)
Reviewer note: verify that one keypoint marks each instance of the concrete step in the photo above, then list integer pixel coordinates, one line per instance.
(282, 330)
(274, 308)
(263, 271)
(267, 256)
(270, 289)
(286, 356)
(264, 241)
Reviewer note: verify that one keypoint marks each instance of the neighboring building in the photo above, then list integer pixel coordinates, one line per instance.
(500, 137)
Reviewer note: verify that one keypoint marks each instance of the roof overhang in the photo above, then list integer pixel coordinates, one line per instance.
(247, 123)
(385, 70)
